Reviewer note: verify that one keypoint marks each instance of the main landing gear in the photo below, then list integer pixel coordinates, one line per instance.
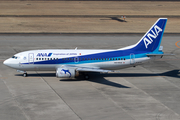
(86, 76)
(24, 74)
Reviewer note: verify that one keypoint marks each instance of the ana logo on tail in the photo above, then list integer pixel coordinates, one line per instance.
(154, 34)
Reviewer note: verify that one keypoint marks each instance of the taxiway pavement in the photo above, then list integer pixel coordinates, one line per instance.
(147, 92)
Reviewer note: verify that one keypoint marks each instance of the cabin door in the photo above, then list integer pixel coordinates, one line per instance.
(132, 58)
(31, 58)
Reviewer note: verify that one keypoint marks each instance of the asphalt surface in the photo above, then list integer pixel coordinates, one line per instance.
(147, 92)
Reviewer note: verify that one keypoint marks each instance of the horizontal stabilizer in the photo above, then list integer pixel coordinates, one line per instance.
(159, 54)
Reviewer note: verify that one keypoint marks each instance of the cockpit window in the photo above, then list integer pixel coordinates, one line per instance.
(14, 57)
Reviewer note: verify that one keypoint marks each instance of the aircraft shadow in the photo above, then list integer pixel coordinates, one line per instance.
(99, 78)
(39, 74)
(115, 18)
(172, 73)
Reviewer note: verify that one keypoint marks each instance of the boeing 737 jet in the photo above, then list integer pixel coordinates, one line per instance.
(70, 63)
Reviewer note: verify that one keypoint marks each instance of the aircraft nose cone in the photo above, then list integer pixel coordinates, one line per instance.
(6, 62)
(11, 64)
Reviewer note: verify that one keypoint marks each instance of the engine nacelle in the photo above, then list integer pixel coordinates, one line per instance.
(66, 73)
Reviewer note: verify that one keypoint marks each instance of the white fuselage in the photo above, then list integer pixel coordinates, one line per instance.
(50, 60)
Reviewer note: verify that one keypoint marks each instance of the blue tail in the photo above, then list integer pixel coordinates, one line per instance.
(151, 41)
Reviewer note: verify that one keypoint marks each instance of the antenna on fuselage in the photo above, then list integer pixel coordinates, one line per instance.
(76, 48)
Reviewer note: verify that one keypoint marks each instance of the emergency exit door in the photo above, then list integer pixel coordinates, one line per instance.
(132, 58)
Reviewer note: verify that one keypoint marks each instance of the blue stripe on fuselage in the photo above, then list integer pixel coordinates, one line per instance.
(112, 54)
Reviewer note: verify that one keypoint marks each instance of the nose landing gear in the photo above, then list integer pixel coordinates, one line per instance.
(24, 73)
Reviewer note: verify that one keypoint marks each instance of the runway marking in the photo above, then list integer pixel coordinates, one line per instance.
(33, 77)
(14, 98)
(110, 99)
(177, 43)
(159, 102)
(153, 97)
(58, 95)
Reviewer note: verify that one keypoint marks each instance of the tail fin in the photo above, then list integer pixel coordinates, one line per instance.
(151, 41)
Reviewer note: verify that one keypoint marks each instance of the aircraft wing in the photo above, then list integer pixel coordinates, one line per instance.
(88, 69)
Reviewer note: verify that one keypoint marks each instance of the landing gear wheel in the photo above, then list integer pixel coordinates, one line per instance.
(86, 77)
(25, 74)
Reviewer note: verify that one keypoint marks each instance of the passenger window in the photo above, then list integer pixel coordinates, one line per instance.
(118, 58)
(47, 58)
(124, 58)
(62, 58)
(50, 58)
(39, 58)
(121, 58)
(79, 58)
(42, 58)
(36, 58)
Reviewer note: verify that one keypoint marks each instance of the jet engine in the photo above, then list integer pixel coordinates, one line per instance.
(66, 73)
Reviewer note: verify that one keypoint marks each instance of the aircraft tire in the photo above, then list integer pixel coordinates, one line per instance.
(86, 77)
(25, 75)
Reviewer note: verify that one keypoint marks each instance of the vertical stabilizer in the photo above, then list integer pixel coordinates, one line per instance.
(151, 41)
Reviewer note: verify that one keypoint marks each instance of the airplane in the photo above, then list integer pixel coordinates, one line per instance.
(73, 62)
